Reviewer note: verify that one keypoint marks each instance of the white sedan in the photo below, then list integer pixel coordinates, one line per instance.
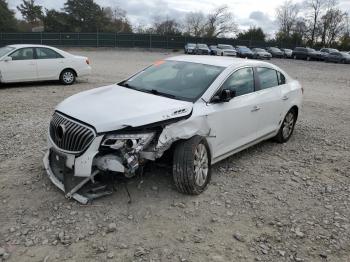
(198, 109)
(25, 63)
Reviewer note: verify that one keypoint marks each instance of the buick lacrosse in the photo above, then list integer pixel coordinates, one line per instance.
(25, 63)
(196, 109)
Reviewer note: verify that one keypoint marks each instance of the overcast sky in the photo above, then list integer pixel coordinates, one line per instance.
(246, 12)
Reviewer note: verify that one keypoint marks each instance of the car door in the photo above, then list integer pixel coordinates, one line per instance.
(269, 101)
(233, 124)
(21, 68)
(49, 63)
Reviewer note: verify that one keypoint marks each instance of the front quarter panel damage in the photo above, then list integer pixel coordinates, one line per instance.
(181, 130)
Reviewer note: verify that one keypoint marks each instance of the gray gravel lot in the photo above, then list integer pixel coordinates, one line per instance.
(272, 202)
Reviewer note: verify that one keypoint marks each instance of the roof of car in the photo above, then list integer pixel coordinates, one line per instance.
(29, 45)
(218, 61)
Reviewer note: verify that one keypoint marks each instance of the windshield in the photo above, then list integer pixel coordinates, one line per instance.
(244, 49)
(191, 45)
(331, 50)
(311, 50)
(5, 50)
(202, 46)
(175, 79)
(226, 47)
(275, 49)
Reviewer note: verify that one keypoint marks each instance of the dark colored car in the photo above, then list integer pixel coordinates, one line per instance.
(326, 51)
(190, 48)
(213, 49)
(306, 53)
(338, 57)
(244, 52)
(275, 52)
(260, 53)
(202, 49)
(287, 53)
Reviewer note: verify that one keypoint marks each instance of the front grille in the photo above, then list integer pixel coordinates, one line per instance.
(70, 135)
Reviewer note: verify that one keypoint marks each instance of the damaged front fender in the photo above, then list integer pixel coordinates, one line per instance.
(182, 130)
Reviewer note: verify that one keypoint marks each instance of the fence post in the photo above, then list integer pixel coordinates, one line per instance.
(79, 38)
(167, 42)
(115, 39)
(60, 39)
(150, 40)
(97, 39)
(41, 37)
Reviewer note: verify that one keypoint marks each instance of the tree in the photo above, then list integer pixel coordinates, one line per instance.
(195, 24)
(252, 34)
(287, 15)
(333, 24)
(118, 22)
(7, 18)
(85, 15)
(166, 27)
(55, 21)
(31, 12)
(316, 7)
(220, 22)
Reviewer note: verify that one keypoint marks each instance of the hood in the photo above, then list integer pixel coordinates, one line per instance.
(114, 107)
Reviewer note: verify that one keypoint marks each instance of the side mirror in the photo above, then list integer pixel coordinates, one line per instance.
(224, 96)
(8, 59)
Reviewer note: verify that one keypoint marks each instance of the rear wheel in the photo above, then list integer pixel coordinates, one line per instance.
(67, 77)
(191, 166)
(287, 127)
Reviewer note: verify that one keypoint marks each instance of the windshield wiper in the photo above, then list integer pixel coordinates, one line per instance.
(125, 84)
(157, 93)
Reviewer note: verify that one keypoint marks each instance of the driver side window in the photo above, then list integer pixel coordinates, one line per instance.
(241, 81)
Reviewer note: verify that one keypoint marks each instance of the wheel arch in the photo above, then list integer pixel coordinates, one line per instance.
(69, 68)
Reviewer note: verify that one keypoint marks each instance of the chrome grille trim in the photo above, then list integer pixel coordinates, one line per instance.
(76, 138)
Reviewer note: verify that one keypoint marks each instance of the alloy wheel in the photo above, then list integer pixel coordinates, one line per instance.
(201, 165)
(288, 125)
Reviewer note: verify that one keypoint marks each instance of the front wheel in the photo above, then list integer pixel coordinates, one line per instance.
(287, 127)
(67, 77)
(191, 166)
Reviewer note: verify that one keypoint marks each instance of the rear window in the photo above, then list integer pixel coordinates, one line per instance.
(268, 77)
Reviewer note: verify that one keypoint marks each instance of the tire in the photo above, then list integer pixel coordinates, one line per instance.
(187, 178)
(67, 77)
(287, 127)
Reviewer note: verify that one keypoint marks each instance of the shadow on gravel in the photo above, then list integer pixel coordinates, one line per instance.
(36, 84)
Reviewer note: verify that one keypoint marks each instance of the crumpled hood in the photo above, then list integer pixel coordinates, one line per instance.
(114, 107)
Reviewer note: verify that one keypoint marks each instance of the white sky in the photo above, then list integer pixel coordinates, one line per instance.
(246, 12)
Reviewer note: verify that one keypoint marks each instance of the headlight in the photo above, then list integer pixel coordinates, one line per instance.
(130, 142)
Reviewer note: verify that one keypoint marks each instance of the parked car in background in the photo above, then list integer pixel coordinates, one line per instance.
(213, 49)
(287, 53)
(338, 57)
(306, 54)
(202, 49)
(326, 51)
(259, 53)
(275, 52)
(204, 110)
(190, 48)
(226, 50)
(244, 52)
(25, 63)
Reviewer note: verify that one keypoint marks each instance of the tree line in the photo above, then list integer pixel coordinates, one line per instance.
(314, 23)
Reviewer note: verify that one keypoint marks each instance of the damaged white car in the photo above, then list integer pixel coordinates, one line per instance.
(198, 109)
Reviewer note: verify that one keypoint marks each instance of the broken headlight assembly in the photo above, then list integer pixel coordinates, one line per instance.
(129, 145)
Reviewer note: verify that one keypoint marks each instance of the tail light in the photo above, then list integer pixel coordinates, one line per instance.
(87, 61)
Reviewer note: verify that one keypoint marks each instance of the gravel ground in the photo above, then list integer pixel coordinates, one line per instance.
(272, 202)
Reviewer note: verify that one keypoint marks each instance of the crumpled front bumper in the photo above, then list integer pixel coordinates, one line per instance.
(58, 183)
(79, 169)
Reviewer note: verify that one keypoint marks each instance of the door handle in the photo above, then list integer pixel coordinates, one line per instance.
(255, 108)
(285, 98)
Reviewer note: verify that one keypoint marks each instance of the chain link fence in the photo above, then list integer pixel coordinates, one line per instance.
(118, 40)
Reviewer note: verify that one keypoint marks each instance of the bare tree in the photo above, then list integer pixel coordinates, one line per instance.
(316, 7)
(334, 24)
(195, 23)
(166, 26)
(220, 22)
(287, 15)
